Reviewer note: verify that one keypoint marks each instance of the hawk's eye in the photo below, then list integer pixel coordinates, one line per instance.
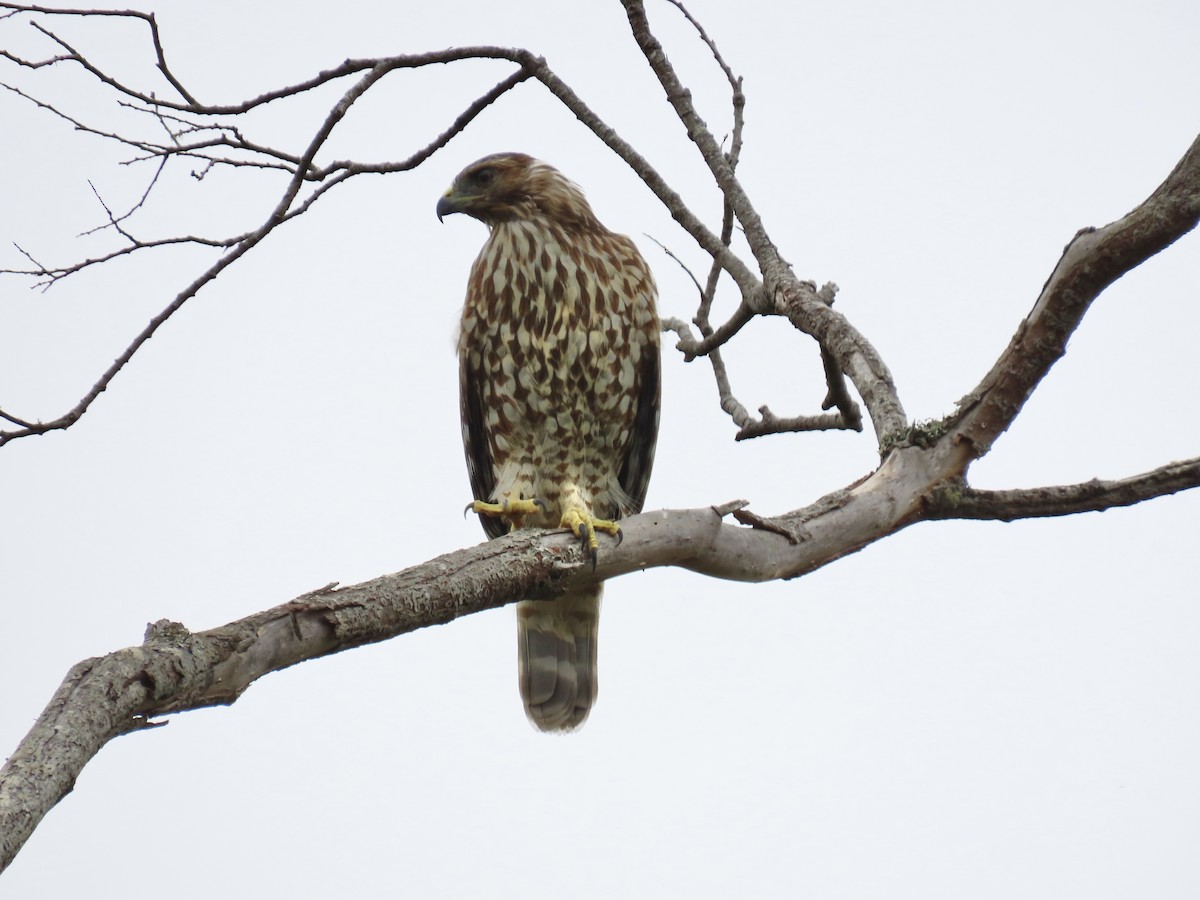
(485, 176)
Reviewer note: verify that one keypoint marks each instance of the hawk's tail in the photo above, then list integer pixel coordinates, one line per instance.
(556, 658)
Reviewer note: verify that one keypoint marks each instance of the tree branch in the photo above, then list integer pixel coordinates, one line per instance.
(769, 423)
(175, 670)
(189, 104)
(954, 500)
(849, 416)
(287, 207)
(783, 293)
(680, 99)
(1093, 260)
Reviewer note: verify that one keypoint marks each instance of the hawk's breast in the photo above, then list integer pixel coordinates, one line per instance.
(554, 328)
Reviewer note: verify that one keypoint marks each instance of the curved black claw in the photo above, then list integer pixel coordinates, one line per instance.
(467, 508)
(587, 541)
(541, 503)
(620, 536)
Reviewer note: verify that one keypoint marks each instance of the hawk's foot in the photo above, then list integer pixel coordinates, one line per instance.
(585, 527)
(513, 511)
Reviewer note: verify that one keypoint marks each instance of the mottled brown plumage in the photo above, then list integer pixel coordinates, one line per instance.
(559, 383)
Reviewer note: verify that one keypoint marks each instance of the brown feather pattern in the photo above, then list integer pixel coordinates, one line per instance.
(559, 383)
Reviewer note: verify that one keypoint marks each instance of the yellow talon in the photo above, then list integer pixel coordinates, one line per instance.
(585, 527)
(514, 511)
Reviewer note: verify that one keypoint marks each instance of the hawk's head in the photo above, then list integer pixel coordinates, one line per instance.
(507, 186)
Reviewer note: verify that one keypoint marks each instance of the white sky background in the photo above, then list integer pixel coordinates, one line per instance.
(962, 710)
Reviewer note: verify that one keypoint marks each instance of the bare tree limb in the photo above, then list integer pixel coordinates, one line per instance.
(783, 292)
(712, 340)
(175, 670)
(680, 99)
(769, 423)
(954, 500)
(1093, 260)
(286, 208)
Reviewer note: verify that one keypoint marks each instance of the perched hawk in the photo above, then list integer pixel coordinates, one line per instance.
(559, 383)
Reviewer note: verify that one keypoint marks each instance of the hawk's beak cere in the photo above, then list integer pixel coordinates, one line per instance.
(446, 205)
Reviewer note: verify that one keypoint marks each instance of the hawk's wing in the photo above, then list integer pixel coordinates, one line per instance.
(634, 474)
(480, 466)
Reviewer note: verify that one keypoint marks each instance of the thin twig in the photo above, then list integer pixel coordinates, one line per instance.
(769, 423)
(783, 292)
(287, 207)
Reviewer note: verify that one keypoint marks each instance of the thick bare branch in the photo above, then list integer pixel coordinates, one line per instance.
(1093, 260)
(175, 670)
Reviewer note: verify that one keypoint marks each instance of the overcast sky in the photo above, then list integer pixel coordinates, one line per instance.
(960, 711)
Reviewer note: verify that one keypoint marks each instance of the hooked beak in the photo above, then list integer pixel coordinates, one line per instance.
(447, 205)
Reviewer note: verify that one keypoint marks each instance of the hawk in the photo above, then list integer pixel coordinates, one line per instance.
(559, 386)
